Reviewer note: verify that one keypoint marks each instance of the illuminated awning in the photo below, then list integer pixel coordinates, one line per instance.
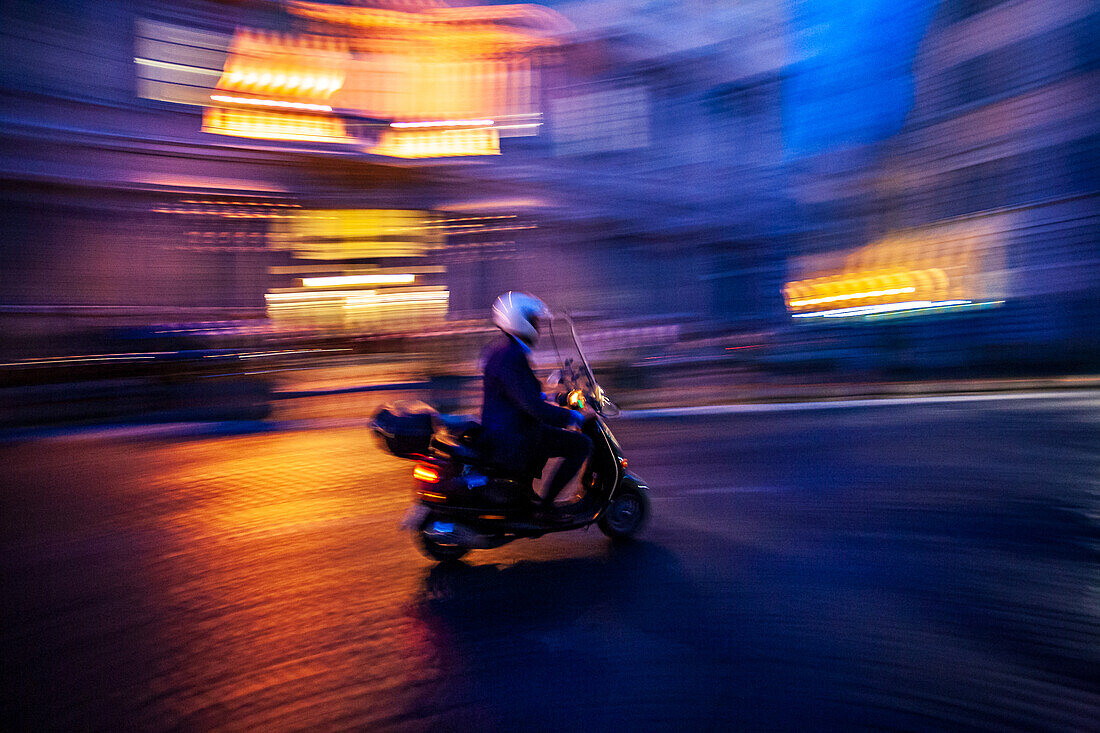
(944, 266)
(430, 70)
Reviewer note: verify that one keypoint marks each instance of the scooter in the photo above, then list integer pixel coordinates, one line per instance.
(465, 502)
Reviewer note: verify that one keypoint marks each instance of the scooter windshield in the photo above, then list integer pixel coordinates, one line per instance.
(576, 373)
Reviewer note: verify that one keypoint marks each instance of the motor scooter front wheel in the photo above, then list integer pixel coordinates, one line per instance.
(436, 550)
(625, 515)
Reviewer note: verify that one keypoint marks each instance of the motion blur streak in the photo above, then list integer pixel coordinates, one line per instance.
(258, 582)
(432, 63)
(949, 264)
(233, 228)
(320, 282)
(786, 193)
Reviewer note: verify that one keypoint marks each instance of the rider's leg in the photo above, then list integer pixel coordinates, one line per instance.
(574, 448)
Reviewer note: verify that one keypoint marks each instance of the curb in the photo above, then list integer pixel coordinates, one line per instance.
(392, 386)
(704, 410)
(181, 430)
(382, 387)
(134, 431)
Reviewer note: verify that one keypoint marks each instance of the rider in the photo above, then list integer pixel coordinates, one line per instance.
(521, 428)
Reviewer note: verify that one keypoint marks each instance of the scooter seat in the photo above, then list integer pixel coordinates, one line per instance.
(457, 424)
(457, 449)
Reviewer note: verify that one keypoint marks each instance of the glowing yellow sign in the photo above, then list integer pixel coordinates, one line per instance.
(347, 234)
(427, 66)
(365, 311)
(263, 125)
(436, 143)
(952, 264)
(340, 281)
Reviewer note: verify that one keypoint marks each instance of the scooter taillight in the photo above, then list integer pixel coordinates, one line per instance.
(425, 473)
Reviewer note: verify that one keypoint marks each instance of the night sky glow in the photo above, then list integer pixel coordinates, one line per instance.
(851, 81)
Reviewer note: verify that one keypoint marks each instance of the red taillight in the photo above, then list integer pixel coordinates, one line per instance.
(427, 474)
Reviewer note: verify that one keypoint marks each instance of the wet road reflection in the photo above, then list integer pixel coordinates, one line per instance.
(913, 568)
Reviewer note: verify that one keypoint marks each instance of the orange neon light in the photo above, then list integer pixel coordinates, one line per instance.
(427, 68)
(264, 125)
(444, 123)
(427, 143)
(942, 262)
(277, 103)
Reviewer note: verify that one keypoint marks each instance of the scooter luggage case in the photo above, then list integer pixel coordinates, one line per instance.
(405, 429)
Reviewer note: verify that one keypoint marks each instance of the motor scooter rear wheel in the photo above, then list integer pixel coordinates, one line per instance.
(433, 549)
(625, 515)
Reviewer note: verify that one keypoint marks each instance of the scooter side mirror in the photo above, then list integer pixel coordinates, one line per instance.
(554, 378)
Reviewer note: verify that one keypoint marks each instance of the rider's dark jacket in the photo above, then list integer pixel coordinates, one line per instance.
(513, 408)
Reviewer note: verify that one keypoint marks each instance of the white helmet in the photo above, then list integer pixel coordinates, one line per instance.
(518, 313)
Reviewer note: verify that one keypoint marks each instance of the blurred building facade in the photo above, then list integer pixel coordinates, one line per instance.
(282, 160)
(363, 167)
(665, 134)
(990, 182)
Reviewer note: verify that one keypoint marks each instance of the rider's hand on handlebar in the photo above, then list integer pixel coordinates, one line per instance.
(583, 415)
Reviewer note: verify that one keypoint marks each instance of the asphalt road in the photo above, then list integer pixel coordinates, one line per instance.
(910, 567)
